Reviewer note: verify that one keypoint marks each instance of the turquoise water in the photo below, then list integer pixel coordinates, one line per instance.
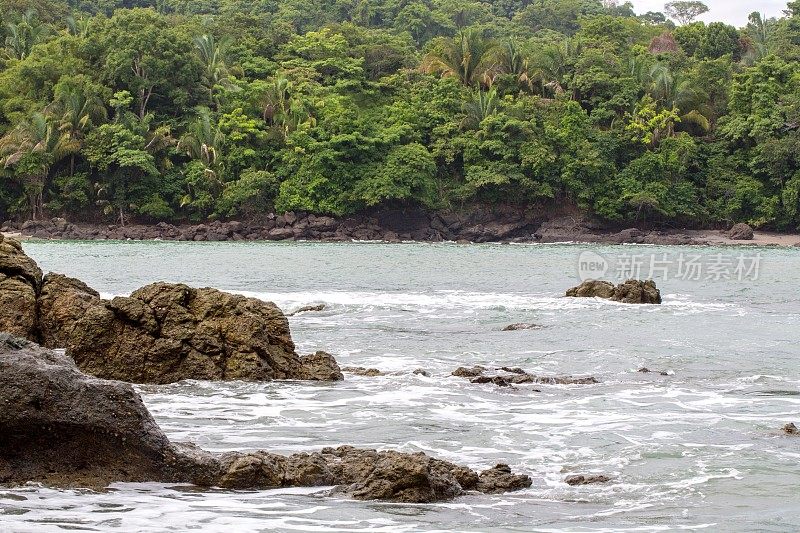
(700, 448)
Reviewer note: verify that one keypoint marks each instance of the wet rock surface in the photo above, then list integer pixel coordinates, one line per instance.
(630, 292)
(362, 371)
(307, 309)
(522, 327)
(162, 333)
(506, 376)
(586, 479)
(64, 428)
(791, 429)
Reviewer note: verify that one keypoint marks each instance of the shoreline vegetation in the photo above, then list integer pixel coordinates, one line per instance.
(183, 113)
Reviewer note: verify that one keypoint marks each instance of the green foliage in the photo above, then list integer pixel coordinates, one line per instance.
(178, 110)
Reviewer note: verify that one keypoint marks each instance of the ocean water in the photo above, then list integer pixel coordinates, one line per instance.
(697, 449)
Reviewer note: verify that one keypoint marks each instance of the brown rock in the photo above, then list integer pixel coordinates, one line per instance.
(791, 429)
(308, 309)
(62, 303)
(361, 371)
(582, 479)
(741, 232)
(500, 479)
(20, 281)
(632, 291)
(463, 372)
(319, 366)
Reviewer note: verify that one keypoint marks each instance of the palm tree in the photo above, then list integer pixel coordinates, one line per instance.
(215, 74)
(33, 147)
(283, 112)
(78, 27)
(552, 66)
(203, 142)
(511, 61)
(482, 106)
(672, 91)
(76, 112)
(468, 57)
(23, 34)
(760, 31)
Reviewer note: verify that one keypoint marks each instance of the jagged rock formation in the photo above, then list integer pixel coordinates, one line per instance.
(162, 333)
(630, 292)
(741, 232)
(62, 427)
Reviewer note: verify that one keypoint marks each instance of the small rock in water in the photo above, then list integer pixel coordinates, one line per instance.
(646, 370)
(421, 372)
(631, 292)
(308, 309)
(500, 479)
(362, 371)
(584, 479)
(791, 429)
(463, 372)
(521, 327)
(497, 380)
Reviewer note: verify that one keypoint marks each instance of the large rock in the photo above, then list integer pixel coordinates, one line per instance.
(167, 332)
(741, 232)
(631, 292)
(20, 279)
(162, 333)
(62, 427)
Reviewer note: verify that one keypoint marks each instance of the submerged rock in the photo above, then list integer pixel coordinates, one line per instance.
(64, 428)
(421, 372)
(630, 292)
(517, 376)
(362, 371)
(791, 429)
(307, 309)
(586, 479)
(741, 232)
(521, 327)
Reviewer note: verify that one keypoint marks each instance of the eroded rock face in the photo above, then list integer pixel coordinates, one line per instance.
(63, 301)
(20, 279)
(630, 292)
(586, 479)
(64, 428)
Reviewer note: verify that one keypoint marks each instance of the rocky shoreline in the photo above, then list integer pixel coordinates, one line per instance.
(64, 428)
(392, 226)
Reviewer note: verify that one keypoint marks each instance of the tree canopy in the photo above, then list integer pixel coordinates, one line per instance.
(189, 111)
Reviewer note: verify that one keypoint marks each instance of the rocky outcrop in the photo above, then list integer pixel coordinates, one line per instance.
(162, 333)
(506, 376)
(167, 332)
(630, 292)
(741, 232)
(64, 428)
(20, 280)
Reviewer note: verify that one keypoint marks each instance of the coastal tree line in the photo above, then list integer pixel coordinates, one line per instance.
(178, 110)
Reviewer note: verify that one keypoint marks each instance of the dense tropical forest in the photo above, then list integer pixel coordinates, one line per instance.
(181, 110)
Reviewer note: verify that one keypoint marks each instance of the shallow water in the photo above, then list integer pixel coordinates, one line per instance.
(697, 449)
